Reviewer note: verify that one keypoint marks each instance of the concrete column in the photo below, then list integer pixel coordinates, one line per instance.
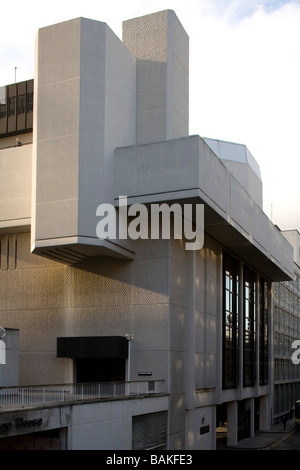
(190, 335)
(264, 421)
(250, 406)
(232, 423)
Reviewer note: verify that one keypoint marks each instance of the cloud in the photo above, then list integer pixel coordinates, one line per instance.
(244, 76)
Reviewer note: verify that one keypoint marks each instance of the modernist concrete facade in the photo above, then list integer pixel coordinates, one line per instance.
(286, 336)
(110, 119)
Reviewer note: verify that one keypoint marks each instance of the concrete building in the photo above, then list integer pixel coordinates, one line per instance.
(286, 335)
(181, 337)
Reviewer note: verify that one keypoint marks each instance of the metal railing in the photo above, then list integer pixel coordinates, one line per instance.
(19, 397)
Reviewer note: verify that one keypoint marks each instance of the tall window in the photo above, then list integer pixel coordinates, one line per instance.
(249, 328)
(230, 322)
(2, 102)
(263, 333)
(11, 106)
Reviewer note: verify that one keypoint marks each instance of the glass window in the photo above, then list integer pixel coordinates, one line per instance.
(21, 104)
(29, 102)
(230, 323)
(263, 333)
(11, 106)
(2, 102)
(249, 328)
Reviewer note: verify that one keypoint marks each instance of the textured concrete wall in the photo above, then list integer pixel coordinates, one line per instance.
(158, 298)
(195, 354)
(9, 372)
(161, 47)
(99, 297)
(15, 188)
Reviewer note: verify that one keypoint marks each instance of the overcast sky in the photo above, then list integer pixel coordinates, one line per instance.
(244, 74)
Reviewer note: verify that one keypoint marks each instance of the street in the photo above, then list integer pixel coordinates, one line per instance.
(289, 442)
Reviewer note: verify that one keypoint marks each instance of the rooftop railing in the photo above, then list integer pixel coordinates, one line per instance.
(19, 397)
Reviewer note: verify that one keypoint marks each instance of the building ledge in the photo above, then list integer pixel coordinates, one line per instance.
(14, 398)
(186, 170)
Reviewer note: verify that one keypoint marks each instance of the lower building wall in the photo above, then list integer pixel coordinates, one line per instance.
(9, 368)
(89, 426)
(201, 429)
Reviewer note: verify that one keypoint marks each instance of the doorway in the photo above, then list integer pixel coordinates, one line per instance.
(100, 370)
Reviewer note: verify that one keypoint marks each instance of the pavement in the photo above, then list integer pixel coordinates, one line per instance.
(264, 440)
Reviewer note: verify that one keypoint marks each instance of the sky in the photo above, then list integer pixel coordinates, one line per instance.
(244, 74)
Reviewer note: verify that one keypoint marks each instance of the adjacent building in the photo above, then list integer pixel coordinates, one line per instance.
(143, 343)
(287, 335)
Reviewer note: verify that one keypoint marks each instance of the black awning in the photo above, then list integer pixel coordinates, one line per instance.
(93, 347)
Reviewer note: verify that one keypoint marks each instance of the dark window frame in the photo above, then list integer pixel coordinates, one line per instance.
(250, 328)
(16, 109)
(230, 322)
(264, 333)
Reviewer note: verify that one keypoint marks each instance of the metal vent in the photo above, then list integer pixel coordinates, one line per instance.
(149, 431)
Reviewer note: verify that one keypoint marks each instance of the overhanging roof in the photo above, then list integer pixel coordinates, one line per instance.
(85, 347)
(187, 170)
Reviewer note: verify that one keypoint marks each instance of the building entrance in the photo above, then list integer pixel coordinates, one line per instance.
(100, 370)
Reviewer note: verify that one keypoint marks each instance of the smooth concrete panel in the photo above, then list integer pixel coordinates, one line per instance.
(241, 164)
(59, 52)
(199, 364)
(15, 187)
(58, 109)
(58, 216)
(213, 178)
(240, 205)
(247, 178)
(260, 227)
(154, 168)
(83, 112)
(276, 243)
(172, 166)
(57, 170)
(195, 420)
(108, 425)
(15, 214)
(15, 159)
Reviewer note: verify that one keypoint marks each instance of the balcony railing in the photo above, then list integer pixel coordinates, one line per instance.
(18, 397)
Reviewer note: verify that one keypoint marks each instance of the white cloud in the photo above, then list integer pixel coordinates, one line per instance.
(244, 89)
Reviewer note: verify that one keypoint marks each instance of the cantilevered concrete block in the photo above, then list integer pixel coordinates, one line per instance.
(85, 107)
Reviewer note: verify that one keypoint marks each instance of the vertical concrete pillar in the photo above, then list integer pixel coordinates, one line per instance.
(232, 423)
(190, 332)
(250, 406)
(264, 413)
(161, 47)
